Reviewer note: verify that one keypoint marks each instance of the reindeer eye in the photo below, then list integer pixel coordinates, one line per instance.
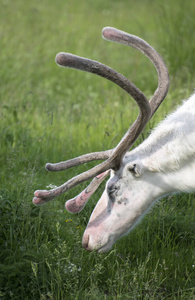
(135, 169)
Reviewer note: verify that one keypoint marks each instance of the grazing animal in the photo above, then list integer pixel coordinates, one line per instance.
(164, 163)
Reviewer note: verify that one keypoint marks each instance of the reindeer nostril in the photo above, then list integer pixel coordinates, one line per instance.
(85, 242)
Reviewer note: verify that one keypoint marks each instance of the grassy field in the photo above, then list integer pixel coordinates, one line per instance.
(49, 114)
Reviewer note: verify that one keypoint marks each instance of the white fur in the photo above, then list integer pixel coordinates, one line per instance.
(164, 163)
(172, 142)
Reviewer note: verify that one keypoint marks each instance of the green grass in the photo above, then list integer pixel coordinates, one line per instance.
(49, 114)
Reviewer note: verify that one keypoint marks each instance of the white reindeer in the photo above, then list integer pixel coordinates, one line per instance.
(164, 163)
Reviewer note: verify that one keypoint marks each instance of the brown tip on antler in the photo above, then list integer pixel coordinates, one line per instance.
(66, 60)
(60, 59)
(107, 33)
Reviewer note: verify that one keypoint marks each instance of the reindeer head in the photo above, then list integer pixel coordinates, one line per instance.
(111, 217)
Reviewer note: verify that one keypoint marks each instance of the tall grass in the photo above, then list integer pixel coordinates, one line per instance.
(52, 114)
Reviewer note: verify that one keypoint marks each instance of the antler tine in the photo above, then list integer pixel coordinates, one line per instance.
(122, 37)
(118, 36)
(76, 204)
(64, 165)
(92, 66)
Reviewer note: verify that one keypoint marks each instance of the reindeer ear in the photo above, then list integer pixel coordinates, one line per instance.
(136, 168)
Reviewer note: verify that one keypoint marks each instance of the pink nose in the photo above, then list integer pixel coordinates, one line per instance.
(85, 242)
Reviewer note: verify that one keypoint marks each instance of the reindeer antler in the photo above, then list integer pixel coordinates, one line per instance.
(114, 156)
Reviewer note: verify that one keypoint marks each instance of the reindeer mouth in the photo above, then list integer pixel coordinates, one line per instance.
(104, 249)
